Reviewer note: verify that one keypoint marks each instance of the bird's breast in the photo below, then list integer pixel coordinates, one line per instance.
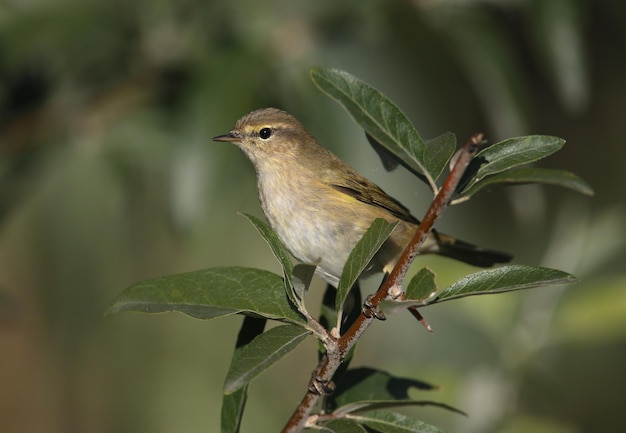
(314, 222)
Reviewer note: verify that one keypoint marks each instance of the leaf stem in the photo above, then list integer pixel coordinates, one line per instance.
(338, 348)
(316, 327)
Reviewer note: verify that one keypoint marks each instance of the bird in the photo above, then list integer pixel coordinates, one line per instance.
(320, 207)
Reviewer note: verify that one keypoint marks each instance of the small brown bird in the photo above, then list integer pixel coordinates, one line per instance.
(320, 207)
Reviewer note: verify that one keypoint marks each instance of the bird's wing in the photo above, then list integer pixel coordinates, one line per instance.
(367, 192)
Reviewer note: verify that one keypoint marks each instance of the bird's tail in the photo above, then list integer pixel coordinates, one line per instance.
(469, 253)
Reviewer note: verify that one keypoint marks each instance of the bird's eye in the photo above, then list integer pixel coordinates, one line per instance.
(265, 133)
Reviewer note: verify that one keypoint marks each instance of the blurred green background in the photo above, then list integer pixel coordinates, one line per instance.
(109, 176)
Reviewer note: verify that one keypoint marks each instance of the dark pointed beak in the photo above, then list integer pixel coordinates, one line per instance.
(232, 137)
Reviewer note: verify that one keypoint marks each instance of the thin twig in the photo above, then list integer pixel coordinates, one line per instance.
(339, 348)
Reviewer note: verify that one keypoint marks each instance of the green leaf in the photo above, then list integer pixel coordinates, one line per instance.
(278, 249)
(362, 406)
(526, 175)
(233, 404)
(261, 353)
(301, 279)
(503, 279)
(211, 293)
(510, 153)
(361, 256)
(280, 252)
(439, 150)
(343, 426)
(367, 385)
(366, 388)
(232, 410)
(383, 121)
(389, 160)
(391, 422)
(420, 291)
(422, 285)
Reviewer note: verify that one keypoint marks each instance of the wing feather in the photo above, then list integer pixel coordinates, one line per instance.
(367, 192)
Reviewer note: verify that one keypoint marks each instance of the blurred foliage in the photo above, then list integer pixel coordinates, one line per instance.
(108, 177)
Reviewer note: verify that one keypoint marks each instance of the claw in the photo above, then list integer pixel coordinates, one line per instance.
(370, 311)
(321, 387)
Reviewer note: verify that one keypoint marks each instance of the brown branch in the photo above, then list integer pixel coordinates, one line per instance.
(340, 347)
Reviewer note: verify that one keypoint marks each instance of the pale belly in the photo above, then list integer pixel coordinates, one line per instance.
(317, 233)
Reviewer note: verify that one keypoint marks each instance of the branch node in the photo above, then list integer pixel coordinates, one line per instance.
(396, 292)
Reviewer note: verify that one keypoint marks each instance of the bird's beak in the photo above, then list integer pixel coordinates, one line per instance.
(232, 136)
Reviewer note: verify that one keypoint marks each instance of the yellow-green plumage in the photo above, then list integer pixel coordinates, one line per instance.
(320, 207)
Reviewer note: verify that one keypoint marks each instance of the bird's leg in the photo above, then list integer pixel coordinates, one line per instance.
(320, 386)
(369, 310)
